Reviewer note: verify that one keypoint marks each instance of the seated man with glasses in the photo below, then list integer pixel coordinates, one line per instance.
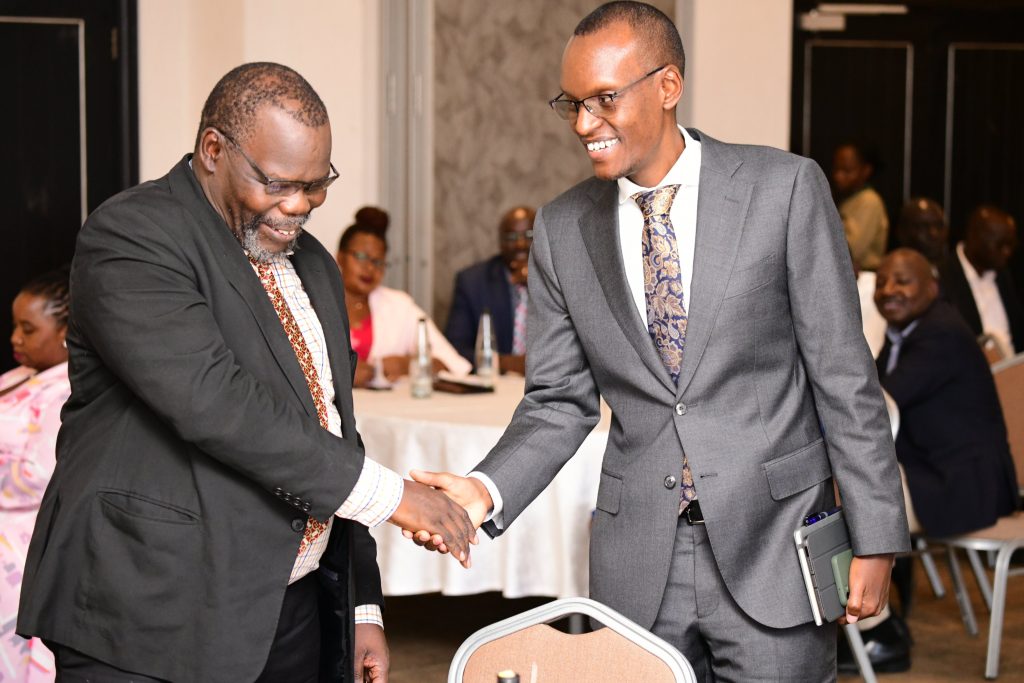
(382, 321)
(497, 285)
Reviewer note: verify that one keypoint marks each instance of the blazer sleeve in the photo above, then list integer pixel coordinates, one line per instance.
(842, 374)
(137, 304)
(461, 327)
(561, 404)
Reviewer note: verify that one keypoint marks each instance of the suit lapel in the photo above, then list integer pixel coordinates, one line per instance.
(599, 227)
(315, 281)
(239, 272)
(722, 203)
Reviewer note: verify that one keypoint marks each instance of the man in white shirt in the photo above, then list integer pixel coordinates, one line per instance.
(703, 290)
(979, 285)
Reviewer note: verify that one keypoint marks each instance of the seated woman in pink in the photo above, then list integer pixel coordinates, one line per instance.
(31, 397)
(382, 321)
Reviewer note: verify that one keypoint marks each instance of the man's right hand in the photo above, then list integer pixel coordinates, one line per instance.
(443, 520)
(468, 492)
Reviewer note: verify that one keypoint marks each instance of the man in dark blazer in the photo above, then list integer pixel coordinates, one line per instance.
(497, 285)
(738, 391)
(208, 511)
(975, 278)
(952, 438)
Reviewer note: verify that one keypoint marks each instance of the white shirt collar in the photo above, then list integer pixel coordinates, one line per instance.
(685, 171)
(969, 272)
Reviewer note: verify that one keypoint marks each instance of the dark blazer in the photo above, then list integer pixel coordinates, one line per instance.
(190, 452)
(482, 286)
(957, 291)
(952, 438)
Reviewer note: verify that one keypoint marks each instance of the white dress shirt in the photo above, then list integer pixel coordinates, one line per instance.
(685, 172)
(988, 300)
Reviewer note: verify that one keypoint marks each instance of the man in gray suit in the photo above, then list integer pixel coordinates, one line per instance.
(207, 517)
(705, 291)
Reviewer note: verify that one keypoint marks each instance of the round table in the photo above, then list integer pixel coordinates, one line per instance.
(543, 553)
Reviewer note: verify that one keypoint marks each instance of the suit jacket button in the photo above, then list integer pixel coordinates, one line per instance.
(306, 506)
(298, 525)
(278, 491)
(670, 482)
(680, 408)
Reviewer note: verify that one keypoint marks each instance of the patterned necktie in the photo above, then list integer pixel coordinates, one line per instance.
(314, 527)
(519, 320)
(663, 290)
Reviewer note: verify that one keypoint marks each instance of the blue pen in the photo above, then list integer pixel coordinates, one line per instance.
(811, 519)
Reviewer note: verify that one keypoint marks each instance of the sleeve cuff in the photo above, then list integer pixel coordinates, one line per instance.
(375, 497)
(369, 614)
(494, 516)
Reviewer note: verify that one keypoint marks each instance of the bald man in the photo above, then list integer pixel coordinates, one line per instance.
(497, 285)
(922, 226)
(978, 283)
(952, 439)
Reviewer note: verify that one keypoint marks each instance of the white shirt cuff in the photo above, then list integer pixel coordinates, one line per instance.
(495, 514)
(375, 497)
(369, 614)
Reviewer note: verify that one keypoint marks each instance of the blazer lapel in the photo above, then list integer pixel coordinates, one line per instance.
(315, 281)
(722, 203)
(239, 272)
(599, 227)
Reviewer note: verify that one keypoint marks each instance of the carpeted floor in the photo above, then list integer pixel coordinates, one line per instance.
(425, 631)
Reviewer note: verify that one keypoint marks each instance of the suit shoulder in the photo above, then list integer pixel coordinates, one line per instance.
(761, 162)
(478, 271)
(576, 199)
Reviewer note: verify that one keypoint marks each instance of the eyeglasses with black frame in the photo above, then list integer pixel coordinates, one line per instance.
(601, 106)
(276, 186)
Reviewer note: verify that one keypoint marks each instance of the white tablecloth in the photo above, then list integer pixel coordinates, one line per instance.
(544, 553)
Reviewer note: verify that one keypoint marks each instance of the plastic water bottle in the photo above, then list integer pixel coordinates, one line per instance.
(421, 371)
(486, 349)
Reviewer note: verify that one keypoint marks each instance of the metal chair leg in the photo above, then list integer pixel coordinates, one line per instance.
(962, 599)
(995, 628)
(980, 576)
(930, 570)
(860, 653)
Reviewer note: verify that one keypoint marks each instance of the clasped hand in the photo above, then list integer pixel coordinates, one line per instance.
(467, 492)
(441, 518)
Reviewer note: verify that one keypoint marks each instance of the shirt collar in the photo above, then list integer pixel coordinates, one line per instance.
(685, 171)
(897, 336)
(969, 272)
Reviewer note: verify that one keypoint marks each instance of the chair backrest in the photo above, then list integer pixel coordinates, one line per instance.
(1009, 378)
(537, 652)
(994, 349)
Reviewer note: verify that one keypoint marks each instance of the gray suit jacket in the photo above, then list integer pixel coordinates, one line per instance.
(190, 453)
(778, 392)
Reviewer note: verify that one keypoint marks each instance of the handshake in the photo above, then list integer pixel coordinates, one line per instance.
(442, 511)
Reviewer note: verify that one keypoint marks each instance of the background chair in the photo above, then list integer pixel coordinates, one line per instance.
(623, 651)
(1007, 535)
(995, 350)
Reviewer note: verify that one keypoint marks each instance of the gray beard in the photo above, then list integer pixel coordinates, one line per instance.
(249, 237)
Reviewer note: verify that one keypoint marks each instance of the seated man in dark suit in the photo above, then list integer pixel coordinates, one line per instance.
(952, 438)
(976, 280)
(497, 285)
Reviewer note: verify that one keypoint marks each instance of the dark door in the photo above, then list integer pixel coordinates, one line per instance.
(937, 91)
(69, 125)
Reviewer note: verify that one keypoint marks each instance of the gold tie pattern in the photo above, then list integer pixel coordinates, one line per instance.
(314, 527)
(663, 291)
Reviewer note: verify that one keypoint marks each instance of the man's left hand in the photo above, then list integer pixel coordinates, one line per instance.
(869, 587)
(371, 656)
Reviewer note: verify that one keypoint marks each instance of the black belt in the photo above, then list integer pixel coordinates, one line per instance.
(693, 514)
